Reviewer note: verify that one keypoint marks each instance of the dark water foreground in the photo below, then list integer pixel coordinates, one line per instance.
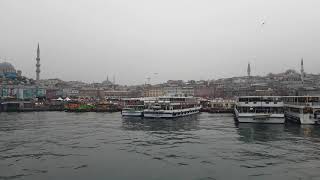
(58, 145)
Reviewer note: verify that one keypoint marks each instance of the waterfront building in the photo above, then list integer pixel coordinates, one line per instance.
(21, 92)
(173, 90)
(187, 91)
(117, 94)
(204, 91)
(89, 93)
(70, 92)
(54, 93)
(154, 91)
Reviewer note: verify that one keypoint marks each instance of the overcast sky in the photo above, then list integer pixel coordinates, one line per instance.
(162, 39)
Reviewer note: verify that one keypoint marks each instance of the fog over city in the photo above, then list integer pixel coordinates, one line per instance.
(168, 39)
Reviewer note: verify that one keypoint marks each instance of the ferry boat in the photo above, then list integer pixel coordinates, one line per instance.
(259, 109)
(302, 109)
(133, 107)
(171, 107)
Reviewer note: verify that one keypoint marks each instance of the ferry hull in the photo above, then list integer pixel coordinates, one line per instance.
(271, 120)
(259, 118)
(170, 114)
(132, 113)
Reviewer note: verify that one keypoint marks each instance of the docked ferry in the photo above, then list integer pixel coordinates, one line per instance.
(133, 107)
(171, 107)
(302, 109)
(259, 109)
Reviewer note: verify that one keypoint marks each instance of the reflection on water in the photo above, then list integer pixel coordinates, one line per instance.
(250, 132)
(159, 139)
(307, 131)
(145, 124)
(59, 145)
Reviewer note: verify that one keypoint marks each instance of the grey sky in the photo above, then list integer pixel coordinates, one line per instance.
(179, 39)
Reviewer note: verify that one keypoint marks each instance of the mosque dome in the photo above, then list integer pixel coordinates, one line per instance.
(6, 67)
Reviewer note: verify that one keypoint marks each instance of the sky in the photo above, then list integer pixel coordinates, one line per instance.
(88, 40)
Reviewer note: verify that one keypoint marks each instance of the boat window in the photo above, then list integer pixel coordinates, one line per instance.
(254, 99)
(243, 99)
(296, 110)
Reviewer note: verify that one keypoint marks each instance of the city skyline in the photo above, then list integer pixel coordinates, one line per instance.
(86, 41)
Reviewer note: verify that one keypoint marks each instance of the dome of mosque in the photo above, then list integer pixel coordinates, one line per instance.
(6, 67)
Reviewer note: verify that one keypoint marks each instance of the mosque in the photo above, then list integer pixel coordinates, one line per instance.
(8, 71)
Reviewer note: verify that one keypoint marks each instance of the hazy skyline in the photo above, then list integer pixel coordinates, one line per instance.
(178, 39)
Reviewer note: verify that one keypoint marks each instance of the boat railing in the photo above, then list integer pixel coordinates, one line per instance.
(303, 103)
(260, 104)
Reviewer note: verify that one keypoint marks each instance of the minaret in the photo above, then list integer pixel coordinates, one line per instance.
(38, 64)
(302, 71)
(249, 70)
(249, 78)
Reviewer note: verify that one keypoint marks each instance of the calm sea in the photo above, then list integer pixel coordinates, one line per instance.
(59, 145)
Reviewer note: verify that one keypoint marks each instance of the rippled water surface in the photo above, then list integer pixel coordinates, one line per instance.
(59, 145)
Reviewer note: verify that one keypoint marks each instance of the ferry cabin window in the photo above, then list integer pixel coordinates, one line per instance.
(302, 99)
(261, 110)
(243, 100)
(314, 99)
(254, 99)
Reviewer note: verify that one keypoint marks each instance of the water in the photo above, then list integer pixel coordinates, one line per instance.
(59, 145)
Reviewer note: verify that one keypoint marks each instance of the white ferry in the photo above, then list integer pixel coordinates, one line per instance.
(133, 107)
(259, 109)
(302, 109)
(171, 107)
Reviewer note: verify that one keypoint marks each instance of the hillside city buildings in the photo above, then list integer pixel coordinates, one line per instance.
(291, 82)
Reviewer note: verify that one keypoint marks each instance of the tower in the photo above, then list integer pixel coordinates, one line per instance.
(249, 70)
(302, 71)
(38, 64)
